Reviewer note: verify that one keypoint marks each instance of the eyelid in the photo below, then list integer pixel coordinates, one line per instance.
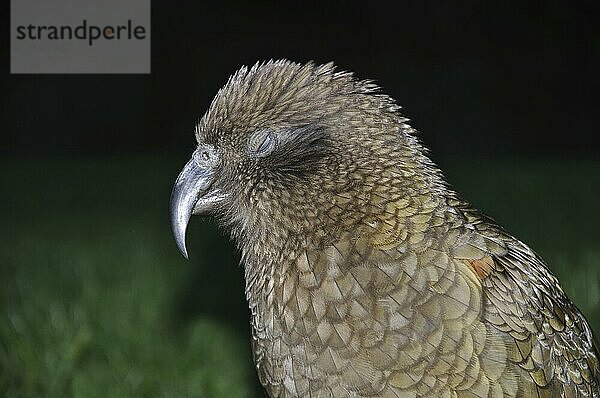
(265, 143)
(262, 143)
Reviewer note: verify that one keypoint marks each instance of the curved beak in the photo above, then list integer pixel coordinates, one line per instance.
(192, 194)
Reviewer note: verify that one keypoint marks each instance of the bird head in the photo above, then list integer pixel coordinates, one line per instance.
(282, 144)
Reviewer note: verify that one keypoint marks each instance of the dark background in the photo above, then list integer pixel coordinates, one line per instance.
(475, 77)
(95, 300)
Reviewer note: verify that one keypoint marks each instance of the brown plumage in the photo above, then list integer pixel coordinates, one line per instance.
(366, 275)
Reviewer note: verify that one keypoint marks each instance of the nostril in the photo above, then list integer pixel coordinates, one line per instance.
(205, 156)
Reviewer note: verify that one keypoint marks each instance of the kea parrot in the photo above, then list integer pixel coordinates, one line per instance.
(366, 274)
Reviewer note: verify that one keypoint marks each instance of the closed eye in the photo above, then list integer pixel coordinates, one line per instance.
(289, 150)
(267, 144)
(262, 143)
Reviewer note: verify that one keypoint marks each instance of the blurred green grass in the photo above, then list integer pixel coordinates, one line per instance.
(96, 301)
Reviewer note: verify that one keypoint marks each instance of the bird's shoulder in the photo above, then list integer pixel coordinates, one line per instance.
(422, 301)
(461, 262)
(524, 300)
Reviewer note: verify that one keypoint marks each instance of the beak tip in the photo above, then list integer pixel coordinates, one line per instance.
(184, 253)
(180, 241)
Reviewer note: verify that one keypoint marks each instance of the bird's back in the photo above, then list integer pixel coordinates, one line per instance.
(427, 299)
